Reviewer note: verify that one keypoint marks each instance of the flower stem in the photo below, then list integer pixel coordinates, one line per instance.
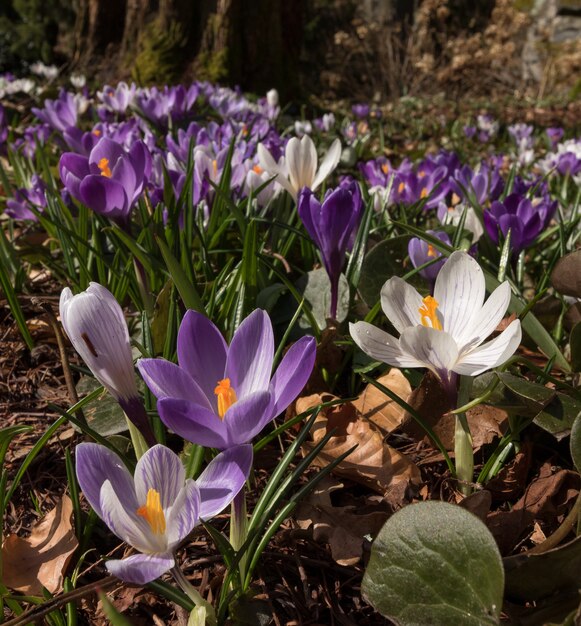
(194, 595)
(239, 527)
(334, 298)
(463, 441)
(137, 439)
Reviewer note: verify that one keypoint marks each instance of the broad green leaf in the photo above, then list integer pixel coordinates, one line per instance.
(435, 563)
(532, 394)
(316, 289)
(575, 442)
(558, 415)
(103, 415)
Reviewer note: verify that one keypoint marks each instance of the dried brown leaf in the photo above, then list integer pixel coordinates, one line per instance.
(41, 559)
(373, 462)
(375, 406)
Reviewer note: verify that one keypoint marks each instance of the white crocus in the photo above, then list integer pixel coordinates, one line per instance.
(444, 333)
(300, 164)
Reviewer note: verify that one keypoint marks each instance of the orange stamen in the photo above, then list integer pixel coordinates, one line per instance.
(431, 251)
(103, 165)
(257, 169)
(429, 314)
(226, 396)
(152, 512)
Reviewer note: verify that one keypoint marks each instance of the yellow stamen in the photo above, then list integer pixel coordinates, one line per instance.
(421, 174)
(385, 168)
(455, 199)
(215, 167)
(97, 132)
(401, 187)
(431, 251)
(257, 169)
(103, 165)
(226, 396)
(423, 192)
(153, 513)
(429, 313)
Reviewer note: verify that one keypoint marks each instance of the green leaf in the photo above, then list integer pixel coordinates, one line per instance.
(575, 442)
(534, 395)
(111, 613)
(559, 415)
(435, 563)
(575, 343)
(103, 415)
(383, 261)
(316, 289)
(184, 285)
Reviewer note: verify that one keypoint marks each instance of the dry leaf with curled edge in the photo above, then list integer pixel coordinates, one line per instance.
(374, 405)
(373, 462)
(344, 528)
(41, 559)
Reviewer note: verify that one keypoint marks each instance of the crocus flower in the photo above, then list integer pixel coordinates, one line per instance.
(555, 134)
(110, 180)
(94, 322)
(421, 252)
(157, 508)
(300, 165)
(59, 114)
(19, 207)
(518, 214)
(360, 110)
(220, 396)
(443, 332)
(332, 225)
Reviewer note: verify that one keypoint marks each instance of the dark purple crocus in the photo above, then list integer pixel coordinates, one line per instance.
(221, 396)
(157, 508)
(422, 252)
(525, 219)
(332, 226)
(110, 180)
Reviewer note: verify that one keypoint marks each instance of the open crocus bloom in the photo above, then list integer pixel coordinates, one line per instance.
(221, 396)
(155, 510)
(445, 332)
(300, 164)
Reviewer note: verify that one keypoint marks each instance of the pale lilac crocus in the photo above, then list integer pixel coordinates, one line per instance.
(444, 332)
(157, 508)
(220, 396)
(94, 322)
(300, 164)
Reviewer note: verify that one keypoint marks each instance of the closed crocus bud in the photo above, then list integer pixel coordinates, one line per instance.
(94, 322)
(272, 98)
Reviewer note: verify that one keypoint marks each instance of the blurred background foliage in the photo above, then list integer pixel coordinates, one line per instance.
(356, 49)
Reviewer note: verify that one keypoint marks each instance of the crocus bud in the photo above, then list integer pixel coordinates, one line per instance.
(94, 322)
(272, 98)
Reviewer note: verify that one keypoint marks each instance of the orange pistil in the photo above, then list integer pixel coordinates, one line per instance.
(215, 167)
(97, 132)
(431, 252)
(226, 396)
(423, 193)
(103, 165)
(257, 169)
(153, 513)
(385, 168)
(401, 187)
(455, 199)
(429, 313)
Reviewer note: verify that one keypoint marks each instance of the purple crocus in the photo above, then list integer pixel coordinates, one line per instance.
(555, 134)
(157, 508)
(59, 114)
(421, 252)
(220, 396)
(332, 226)
(360, 110)
(518, 214)
(110, 180)
(20, 206)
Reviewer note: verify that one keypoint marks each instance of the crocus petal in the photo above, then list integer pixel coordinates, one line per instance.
(487, 319)
(266, 160)
(223, 479)
(293, 373)
(247, 417)
(107, 149)
(104, 195)
(140, 569)
(202, 353)
(96, 464)
(381, 346)
(301, 161)
(167, 380)
(94, 322)
(400, 303)
(125, 522)
(491, 354)
(160, 469)
(193, 422)
(184, 514)
(249, 362)
(329, 164)
(459, 292)
(435, 349)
